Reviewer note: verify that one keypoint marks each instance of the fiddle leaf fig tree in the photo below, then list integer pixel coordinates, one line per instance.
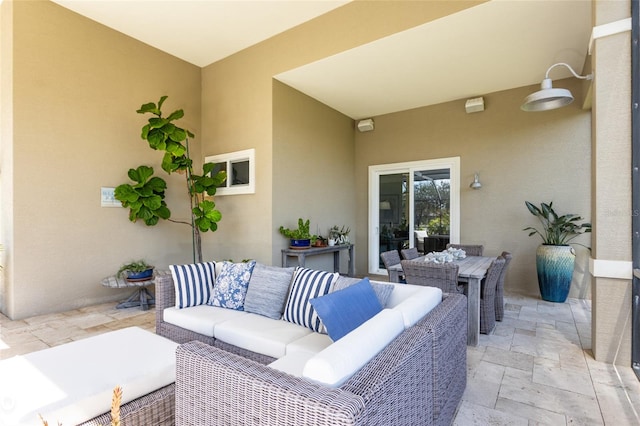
(145, 197)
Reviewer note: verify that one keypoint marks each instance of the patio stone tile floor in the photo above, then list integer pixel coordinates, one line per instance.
(535, 369)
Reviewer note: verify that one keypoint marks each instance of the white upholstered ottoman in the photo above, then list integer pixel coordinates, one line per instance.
(73, 382)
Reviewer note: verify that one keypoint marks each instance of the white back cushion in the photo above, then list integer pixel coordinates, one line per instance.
(416, 304)
(335, 364)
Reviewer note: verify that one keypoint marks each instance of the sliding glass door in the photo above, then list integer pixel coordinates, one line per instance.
(413, 204)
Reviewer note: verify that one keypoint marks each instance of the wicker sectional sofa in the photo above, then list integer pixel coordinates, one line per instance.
(416, 379)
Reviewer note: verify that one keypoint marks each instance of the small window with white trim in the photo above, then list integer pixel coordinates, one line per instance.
(240, 168)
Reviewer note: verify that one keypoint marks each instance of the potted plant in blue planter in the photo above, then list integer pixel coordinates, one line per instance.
(135, 271)
(299, 238)
(555, 258)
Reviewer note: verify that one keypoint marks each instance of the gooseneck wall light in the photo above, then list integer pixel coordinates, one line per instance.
(549, 98)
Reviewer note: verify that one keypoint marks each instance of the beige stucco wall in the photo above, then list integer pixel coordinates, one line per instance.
(314, 145)
(237, 113)
(76, 86)
(520, 156)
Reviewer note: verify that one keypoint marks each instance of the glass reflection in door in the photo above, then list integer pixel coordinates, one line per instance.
(431, 209)
(394, 212)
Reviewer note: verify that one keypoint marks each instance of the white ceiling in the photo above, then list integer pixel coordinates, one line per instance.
(495, 46)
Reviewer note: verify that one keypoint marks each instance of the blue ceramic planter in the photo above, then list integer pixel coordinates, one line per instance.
(140, 275)
(300, 244)
(555, 270)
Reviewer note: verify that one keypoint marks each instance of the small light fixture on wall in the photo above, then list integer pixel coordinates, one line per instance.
(549, 98)
(476, 182)
(365, 125)
(474, 105)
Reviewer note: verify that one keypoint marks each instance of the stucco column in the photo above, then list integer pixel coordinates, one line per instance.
(610, 264)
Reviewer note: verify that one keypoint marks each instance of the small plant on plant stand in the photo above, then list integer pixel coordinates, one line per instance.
(300, 237)
(145, 197)
(339, 235)
(135, 269)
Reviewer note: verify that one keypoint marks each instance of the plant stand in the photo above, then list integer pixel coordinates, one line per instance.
(141, 297)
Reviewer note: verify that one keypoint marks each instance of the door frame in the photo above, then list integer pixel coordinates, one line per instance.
(375, 171)
(635, 185)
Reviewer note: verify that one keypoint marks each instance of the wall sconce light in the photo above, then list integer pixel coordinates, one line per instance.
(476, 182)
(549, 98)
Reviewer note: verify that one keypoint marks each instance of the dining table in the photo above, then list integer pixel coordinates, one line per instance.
(472, 269)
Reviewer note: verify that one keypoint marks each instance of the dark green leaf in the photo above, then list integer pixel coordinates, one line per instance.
(157, 185)
(125, 192)
(151, 221)
(157, 122)
(150, 107)
(156, 139)
(176, 115)
(178, 134)
(208, 168)
(163, 212)
(153, 203)
(161, 101)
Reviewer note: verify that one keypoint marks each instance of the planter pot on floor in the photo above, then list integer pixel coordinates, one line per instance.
(555, 270)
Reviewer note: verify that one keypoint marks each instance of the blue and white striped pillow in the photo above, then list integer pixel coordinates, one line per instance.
(307, 284)
(193, 283)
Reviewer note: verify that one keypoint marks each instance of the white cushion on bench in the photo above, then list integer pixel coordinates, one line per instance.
(335, 364)
(311, 343)
(260, 334)
(293, 363)
(201, 319)
(73, 382)
(414, 301)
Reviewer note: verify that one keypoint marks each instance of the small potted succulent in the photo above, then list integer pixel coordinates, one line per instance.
(135, 270)
(299, 238)
(339, 235)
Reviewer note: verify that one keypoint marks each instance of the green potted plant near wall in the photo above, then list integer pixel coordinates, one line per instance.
(145, 197)
(299, 238)
(555, 258)
(135, 270)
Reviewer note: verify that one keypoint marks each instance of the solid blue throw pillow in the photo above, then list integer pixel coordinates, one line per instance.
(345, 310)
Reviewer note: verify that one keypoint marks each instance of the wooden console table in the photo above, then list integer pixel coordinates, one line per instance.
(301, 254)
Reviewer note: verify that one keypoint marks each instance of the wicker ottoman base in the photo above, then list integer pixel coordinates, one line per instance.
(156, 408)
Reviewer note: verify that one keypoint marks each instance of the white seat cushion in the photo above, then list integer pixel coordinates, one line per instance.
(339, 361)
(414, 301)
(293, 363)
(201, 319)
(260, 334)
(311, 343)
(73, 382)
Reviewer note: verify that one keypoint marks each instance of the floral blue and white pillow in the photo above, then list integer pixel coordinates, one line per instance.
(231, 285)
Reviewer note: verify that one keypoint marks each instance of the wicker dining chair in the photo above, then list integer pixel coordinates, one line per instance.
(488, 296)
(441, 275)
(410, 253)
(500, 287)
(390, 258)
(469, 249)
